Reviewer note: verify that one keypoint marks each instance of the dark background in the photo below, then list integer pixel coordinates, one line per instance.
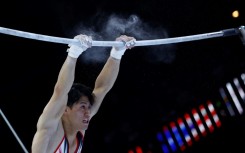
(156, 84)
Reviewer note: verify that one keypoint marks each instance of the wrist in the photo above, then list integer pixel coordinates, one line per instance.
(117, 54)
(74, 51)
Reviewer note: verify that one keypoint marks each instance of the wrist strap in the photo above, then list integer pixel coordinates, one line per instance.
(74, 51)
(117, 54)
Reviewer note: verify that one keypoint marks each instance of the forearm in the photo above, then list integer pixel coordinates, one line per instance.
(108, 75)
(55, 108)
(66, 76)
(67, 72)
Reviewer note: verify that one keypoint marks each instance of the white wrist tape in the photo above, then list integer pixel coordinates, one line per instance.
(75, 51)
(117, 53)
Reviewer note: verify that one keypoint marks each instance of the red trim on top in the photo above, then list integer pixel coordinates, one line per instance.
(60, 143)
(78, 142)
(77, 145)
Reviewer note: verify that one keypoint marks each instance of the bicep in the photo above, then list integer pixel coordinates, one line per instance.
(52, 113)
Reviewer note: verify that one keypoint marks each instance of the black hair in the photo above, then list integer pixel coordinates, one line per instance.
(77, 90)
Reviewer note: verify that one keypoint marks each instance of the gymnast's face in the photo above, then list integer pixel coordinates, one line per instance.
(79, 114)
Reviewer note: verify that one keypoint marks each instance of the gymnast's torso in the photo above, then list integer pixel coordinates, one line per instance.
(57, 142)
(63, 147)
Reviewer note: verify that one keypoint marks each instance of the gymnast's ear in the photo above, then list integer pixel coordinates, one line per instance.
(66, 109)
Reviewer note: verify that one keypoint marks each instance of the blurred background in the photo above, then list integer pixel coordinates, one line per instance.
(183, 97)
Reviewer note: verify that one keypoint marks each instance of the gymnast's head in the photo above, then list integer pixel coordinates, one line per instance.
(79, 92)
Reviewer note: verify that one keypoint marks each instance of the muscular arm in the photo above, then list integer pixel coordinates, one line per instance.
(49, 122)
(109, 73)
(56, 106)
(50, 118)
(104, 82)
